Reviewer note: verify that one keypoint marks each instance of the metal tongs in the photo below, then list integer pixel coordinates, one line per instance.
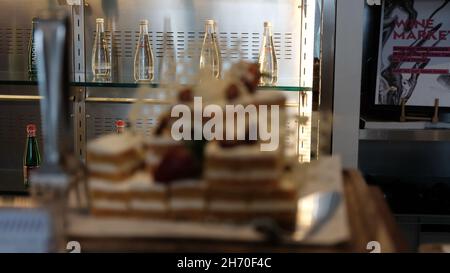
(313, 212)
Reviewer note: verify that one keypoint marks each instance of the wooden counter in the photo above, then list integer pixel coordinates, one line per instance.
(369, 219)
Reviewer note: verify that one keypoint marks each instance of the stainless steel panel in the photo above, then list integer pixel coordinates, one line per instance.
(15, 114)
(15, 31)
(328, 41)
(79, 64)
(238, 22)
(106, 105)
(101, 117)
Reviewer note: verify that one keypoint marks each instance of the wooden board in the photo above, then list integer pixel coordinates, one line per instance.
(368, 216)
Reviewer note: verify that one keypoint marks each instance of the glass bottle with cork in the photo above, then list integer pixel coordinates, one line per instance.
(210, 58)
(120, 126)
(143, 58)
(32, 61)
(268, 66)
(101, 65)
(32, 156)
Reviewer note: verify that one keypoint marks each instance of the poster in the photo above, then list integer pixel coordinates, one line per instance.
(414, 57)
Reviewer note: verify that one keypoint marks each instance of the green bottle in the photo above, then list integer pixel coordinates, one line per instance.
(32, 58)
(32, 157)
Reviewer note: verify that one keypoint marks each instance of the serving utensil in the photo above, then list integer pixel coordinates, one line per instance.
(313, 211)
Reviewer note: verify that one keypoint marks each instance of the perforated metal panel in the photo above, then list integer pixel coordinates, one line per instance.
(102, 117)
(14, 49)
(240, 27)
(123, 44)
(14, 41)
(15, 31)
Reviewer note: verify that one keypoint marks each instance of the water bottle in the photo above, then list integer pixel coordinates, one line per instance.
(210, 59)
(101, 66)
(267, 60)
(143, 58)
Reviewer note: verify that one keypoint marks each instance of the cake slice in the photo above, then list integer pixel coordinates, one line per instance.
(115, 156)
(241, 166)
(147, 198)
(108, 199)
(188, 200)
(278, 204)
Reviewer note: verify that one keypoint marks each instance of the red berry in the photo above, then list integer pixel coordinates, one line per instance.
(177, 164)
(232, 92)
(185, 95)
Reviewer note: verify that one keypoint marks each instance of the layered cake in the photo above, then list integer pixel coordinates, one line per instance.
(228, 204)
(247, 184)
(278, 203)
(188, 200)
(114, 157)
(195, 180)
(147, 198)
(113, 161)
(107, 198)
(243, 205)
(241, 166)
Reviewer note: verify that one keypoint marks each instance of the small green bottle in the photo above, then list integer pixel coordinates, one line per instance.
(32, 157)
(32, 58)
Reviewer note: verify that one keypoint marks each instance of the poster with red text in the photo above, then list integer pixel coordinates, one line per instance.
(414, 57)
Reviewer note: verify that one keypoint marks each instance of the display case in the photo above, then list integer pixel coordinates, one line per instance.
(297, 32)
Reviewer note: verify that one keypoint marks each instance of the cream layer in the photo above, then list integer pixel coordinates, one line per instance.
(109, 204)
(114, 144)
(109, 168)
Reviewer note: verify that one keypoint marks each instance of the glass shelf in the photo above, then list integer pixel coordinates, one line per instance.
(12, 78)
(22, 79)
(156, 85)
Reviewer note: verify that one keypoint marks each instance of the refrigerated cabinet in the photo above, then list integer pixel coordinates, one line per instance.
(297, 32)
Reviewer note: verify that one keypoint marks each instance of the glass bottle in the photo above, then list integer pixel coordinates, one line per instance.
(32, 157)
(210, 59)
(101, 66)
(167, 66)
(267, 60)
(143, 57)
(32, 61)
(120, 126)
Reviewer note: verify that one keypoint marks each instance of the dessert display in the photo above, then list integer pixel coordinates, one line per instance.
(232, 180)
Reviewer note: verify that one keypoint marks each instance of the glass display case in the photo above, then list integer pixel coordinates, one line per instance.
(298, 28)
